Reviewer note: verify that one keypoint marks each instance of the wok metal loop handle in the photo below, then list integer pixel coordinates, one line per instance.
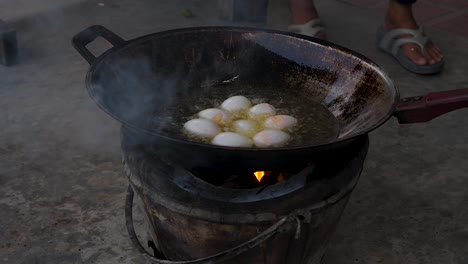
(223, 256)
(88, 35)
(425, 108)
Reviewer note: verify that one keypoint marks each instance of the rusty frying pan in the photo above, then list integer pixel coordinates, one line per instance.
(149, 82)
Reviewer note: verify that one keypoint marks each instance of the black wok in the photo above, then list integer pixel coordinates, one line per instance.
(144, 82)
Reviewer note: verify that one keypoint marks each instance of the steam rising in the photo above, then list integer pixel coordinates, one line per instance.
(52, 99)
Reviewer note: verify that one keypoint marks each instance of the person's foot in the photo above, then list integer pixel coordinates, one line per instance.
(401, 16)
(302, 12)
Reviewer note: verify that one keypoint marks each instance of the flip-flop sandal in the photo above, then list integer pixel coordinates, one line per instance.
(389, 42)
(311, 28)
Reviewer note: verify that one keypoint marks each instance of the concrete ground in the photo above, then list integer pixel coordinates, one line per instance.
(62, 187)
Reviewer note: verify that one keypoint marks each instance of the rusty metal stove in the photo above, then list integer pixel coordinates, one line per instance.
(193, 221)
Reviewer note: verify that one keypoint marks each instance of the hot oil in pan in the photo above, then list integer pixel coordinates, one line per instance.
(316, 125)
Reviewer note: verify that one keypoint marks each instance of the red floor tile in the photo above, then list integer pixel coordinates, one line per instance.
(364, 3)
(456, 25)
(455, 4)
(423, 12)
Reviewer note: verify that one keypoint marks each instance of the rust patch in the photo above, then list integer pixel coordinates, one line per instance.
(337, 101)
(367, 90)
(357, 68)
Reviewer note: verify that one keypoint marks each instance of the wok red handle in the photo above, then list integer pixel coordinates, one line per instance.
(88, 35)
(425, 108)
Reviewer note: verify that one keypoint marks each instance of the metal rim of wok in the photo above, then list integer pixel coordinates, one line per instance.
(337, 48)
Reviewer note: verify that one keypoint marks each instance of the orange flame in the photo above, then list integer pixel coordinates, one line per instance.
(259, 175)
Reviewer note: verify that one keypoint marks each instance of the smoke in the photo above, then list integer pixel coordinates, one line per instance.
(130, 90)
(50, 93)
(21, 9)
(43, 96)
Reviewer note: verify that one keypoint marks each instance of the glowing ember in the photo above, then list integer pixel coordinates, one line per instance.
(280, 177)
(259, 175)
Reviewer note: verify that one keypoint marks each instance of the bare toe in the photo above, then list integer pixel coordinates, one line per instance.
(413, 52)
(434, 51)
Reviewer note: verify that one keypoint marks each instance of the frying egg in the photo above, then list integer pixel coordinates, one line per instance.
(230, 139)
(270, 138)
(216, 115)
(244, 127)
(202, 128)
(280, 122)
(236, 103)
(263, 109)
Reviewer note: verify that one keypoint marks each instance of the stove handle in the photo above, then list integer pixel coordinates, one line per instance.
(420, 109)
(282, 224)
(82, 39)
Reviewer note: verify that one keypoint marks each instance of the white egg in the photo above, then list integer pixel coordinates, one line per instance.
(216, 115)
(230, 139)
(245, 127)
(280, 122)
(202, 128)
(236, 103)
(270, 138)
(263, 109)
